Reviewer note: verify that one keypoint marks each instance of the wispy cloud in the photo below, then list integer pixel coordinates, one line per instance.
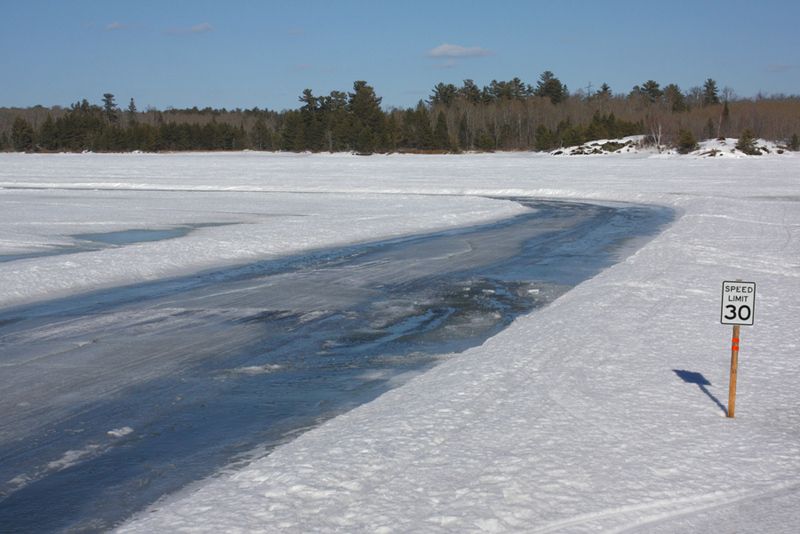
(457, 51)
(114, 26)
(203, 27)
(781, 67)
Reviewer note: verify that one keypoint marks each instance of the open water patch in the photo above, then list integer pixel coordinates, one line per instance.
(87, 242)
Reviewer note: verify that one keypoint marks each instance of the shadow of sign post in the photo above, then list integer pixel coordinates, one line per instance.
(691, 377)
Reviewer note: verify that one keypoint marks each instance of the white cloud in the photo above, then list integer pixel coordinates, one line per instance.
(203, 27)
(115, 26)
(458, 51)
(781, 67)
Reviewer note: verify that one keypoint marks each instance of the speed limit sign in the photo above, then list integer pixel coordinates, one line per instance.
(738, 303)
(738, 308)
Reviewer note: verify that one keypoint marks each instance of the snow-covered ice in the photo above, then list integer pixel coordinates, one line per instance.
(261, 207)
(573, 419)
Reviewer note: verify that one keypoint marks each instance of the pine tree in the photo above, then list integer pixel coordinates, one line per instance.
(551, 87)
(313, 122)
(484, 141)
(545, 138)
(794, 143)
(292, 135)
(686, 142)
(392, 133)
(470, 92)
(21, 135)
(424, 131)
(675, 98)
(131, 113)
(747, 143)
(463, 133)
(651, 90)
(441, 136)
(710, 93)
(444, 94)
(261, 136)
(365, 142)
(365, 107)
(48, 134)
(110, 108)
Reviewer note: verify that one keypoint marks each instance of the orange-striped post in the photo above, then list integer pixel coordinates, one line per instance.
(734, 368)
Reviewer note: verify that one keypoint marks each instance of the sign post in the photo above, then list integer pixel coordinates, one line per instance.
(734, 369)
(738, 308)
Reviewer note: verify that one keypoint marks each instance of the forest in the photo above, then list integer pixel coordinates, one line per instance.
(503, 115)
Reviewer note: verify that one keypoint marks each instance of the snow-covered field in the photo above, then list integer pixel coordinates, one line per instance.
(571, 420)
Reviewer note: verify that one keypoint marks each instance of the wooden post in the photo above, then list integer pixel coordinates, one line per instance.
(734, 368)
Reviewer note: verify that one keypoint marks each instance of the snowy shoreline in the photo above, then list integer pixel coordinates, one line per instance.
(573, 419)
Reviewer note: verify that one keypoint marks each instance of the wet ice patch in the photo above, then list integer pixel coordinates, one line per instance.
(376, 374)
(72, 457)
(120, 432)
(256, 369)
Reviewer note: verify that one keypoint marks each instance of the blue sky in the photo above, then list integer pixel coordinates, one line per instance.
(261, 53)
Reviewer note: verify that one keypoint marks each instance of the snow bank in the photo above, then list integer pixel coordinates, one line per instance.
(573, 419)
(636, 144)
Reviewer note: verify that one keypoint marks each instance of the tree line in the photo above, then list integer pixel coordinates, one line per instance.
(503, 115)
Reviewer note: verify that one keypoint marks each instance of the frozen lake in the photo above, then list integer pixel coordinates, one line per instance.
(113, 399)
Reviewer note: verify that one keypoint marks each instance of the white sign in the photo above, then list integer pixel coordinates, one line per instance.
(738, 303)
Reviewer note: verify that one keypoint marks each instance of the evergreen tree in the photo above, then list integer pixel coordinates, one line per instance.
(545, 138)
(794, 143)
(48, 134)
(651, 90)
(747, 143)
(313, 121)
(686, 142)
(551, 87)
(470, 92)
(292, 135)
(484, 141)
(261, 136)
(441, 136)
(710, 93)
(21, 135)
(463, 133)
(675, 98)
(419, 132)
(365, 107)
(338, 121)
(131, 113)
(392, 133)
(365, 141)
(110, 108)
(444, 94)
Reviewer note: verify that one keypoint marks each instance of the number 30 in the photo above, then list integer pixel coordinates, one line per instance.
(743, 312)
